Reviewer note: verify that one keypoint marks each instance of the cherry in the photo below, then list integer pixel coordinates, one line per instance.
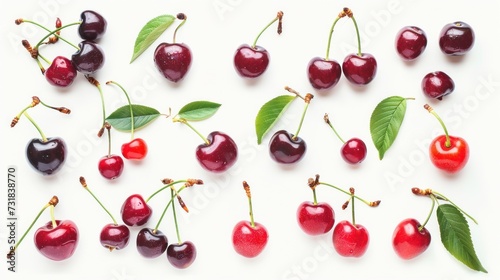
(135, 149)
(249, 238)
(353, 151)
(411, 42)
(252, 61)
(89, 58)
(93, 25)
(315, 218)
(410, 239)
(350, 240)
(456, 38)
(448, 153)
(46, 156)
(61, 72)
(218, 153)
(135, 211)
(111, 166)
(437, 85)
(181, 255)
(286, 148)
(360, 68)
(151, 243)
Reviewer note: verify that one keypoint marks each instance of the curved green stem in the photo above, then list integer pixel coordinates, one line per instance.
(327, 120)
(175, 219)
(330, 38)
(103, 106)
(296, 135)
(448, 141)
(179, 26)
(346, 192)
(30, 227)
(132, 125)
(452, 203)
(166, 207)
(48, 30)
(44, 139)
(192, 128)
(357, 34)
(167, 186)
(55, 32)
(44, 59)
(262, 31)
(421, 227)
(98, 201)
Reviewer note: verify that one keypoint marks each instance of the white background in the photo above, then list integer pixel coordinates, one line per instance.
(214, 30)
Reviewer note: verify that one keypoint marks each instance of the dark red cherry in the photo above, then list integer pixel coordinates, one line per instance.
(89, 58)
(57, 242)
(359, 70)
(111, 166)
(151, 243)
(285, 148)
(93, 25)
(411, 42)
(181, 255)
(47, 157)
(353, 151)
(437, 85)
(114, 236)
(251, 62)
(456, 38)
(61, 72)
(173, 60)
(323, 74)
(135, 211)
(219, 154)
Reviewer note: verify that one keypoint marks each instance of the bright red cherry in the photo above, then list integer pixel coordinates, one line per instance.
(181, 255)
(410, 240)
(323, 73)
(456, 38)
(452, 158)
(111, 166)
(61, 72)
(173, 60)
(315, 219)
(249, 241)
(135, 211)
(360, 69)
(151, 243)
(135, 149)
(411, 42)
(437, 85)
(285, 148)
(353, 151)
(114, 236)
(219, 154)
(350, 240)
(251, 62)
(57, 242)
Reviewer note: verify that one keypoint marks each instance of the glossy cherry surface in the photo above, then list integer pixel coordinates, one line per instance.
(315, 219)
(57, 243)
(350, 240)
(135, 211)
(360, 70)
(181, 255)
(61, 72)
(93, 25)
(437, 85)
(89, 58)
(46, 157)
(411, 42)
(219, 155)
(111, 166)
(249, 241)
(135, 149)
(114, 236)
(322, 73)
(150, 243)
(408, 241)
(173, 60)
(353, 151)
(449, 159)
(456, 38)
(284, 148)
(251, 62)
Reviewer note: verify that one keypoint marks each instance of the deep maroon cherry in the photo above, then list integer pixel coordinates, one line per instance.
(322, 73)
(353, 151)
(359, 69)
(57, 240)
(411, 42)
(315, 219)
(437, 85)
(456, 38)
(135, 211)
(89, 58)
(111, 166)
(61, 72)
(219, 154)
(173, 60)
(93, 25)
(251, 62)
(181, 255)
(285, 148)
(114, 236)
(151, 243)
(47, 157)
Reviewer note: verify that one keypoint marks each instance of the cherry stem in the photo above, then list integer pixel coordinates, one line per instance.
(55, 33)
(307, 99)
(166, 186)
(452, 203)
(107, 126)
(250, 208)
(94, 82)
(166, 207)
(352, 208)
(315, 199)
(52, 216)
(84, 185)
(132, 124)
(44, 59)
(350, 14)
(44, 139)
(421, 227)
(371, 204)
(175, 218)
(279, 17)
(330, 38)
(192, 128)
(182, 17)
(296, 135)
(431, 110)
(327, 120)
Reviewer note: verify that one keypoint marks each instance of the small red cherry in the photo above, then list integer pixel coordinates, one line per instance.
(111, 166)
(61, 72)
(408, 240)
(135, 149)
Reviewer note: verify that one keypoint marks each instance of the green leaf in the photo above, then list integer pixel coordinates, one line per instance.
(385, 121)
(269, 113)
(150, 32)
(143, 115)
(198, 110)
(455, 236)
